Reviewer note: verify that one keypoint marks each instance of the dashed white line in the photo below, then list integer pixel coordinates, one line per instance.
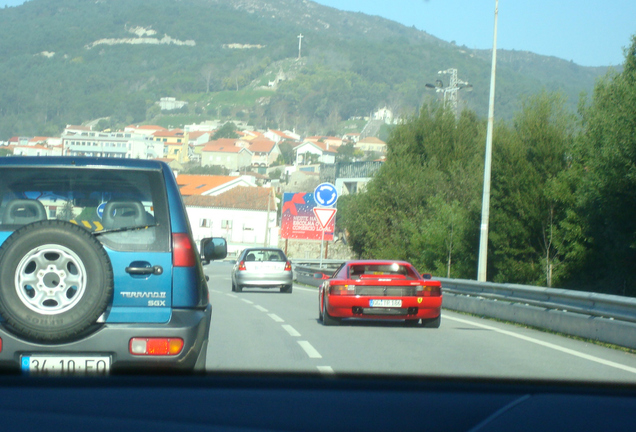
(260, 308)
(310, 350)
(292, 331)
(276, 317)
(325, 369)
(247, 301)
(548, 345)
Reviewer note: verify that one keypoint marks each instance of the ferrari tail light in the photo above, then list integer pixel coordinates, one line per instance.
(342, 290)
(288, 266)
(183, 254)
(429, 289)
(155, 346)
(241, 266)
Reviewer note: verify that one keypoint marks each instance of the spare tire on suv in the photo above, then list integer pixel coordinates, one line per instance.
(55, 281)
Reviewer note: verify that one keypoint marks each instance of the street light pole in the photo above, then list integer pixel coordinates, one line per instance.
(482, 266)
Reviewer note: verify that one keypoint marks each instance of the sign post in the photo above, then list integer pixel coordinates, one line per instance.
(325, 196)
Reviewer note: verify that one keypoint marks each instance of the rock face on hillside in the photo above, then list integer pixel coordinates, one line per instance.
(315, 17)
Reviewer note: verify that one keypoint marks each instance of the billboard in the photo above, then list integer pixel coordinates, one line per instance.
(298, 220)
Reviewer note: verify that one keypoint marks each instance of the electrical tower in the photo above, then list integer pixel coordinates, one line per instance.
(451, 92)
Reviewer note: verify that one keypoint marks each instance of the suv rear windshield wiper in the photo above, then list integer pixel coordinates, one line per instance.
(122, 229)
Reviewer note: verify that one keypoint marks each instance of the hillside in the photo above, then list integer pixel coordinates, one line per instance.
(70, 61)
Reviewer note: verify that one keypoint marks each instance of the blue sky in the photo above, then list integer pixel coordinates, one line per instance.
(590, 33)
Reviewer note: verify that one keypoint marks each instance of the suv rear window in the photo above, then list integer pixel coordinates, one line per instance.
(125, 209)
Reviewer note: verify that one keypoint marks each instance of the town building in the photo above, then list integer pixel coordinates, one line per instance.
(83, 141)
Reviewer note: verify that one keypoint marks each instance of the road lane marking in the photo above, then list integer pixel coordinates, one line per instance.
(325, 369)
(292, 331)
(310, 350)
(260, 308)
(548, 345)
(230, 295)
(276, 317)
(247, 301)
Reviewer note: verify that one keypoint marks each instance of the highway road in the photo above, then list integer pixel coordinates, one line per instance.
(264, 330)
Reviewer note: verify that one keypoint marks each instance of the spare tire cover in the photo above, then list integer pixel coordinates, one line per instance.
(55, 281)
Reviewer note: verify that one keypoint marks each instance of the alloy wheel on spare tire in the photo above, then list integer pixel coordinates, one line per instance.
(55, 281)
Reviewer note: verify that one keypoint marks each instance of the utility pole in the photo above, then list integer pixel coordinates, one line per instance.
(482, 266)
(300, 44)
(270, 195)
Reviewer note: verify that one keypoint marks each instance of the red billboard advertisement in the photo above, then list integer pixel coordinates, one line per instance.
(299, 221)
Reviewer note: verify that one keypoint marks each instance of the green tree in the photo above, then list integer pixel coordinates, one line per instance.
(348, 153)
(228, 130)
(606, 186)
(526, 210)
(286, 152)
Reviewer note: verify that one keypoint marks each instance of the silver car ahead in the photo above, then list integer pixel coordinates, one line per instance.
(262, 268)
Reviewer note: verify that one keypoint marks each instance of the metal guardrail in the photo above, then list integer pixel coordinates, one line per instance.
(304, 270)
(588, 303)
(603, 317)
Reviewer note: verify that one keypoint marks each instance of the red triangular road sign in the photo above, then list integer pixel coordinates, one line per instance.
(324, 215)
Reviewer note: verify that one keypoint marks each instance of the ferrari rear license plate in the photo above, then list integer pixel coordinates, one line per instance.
(385, 303)
(65, 365)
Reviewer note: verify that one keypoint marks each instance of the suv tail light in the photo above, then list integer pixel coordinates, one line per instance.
(183, 254)
(342, 290)
(155, 346)
(429, 289)
(241, 266)
(288, 266)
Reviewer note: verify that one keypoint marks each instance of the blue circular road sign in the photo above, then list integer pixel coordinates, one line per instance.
(325, 195)
(100, 210)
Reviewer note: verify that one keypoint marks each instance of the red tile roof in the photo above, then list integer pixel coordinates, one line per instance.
(169, 133)
(262, 145)
(198, 184)
(224, 145)
(240, 197)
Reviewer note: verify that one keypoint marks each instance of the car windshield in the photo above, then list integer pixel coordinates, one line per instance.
(331, 187)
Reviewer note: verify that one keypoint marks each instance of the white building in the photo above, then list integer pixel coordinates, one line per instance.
(309, 153)
(82, 141)
(244, 216)
(170, 103)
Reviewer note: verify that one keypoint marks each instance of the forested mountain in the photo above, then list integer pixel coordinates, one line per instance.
(70, 61)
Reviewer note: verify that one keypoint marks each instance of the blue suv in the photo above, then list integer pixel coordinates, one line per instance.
(98, 269)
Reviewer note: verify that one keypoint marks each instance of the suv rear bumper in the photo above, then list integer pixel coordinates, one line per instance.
(191, 325)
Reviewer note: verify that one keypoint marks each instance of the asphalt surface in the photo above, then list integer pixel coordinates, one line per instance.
(265, 330)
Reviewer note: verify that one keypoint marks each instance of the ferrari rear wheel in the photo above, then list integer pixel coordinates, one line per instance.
(411, 322)
(432, 322)
(327, 319)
